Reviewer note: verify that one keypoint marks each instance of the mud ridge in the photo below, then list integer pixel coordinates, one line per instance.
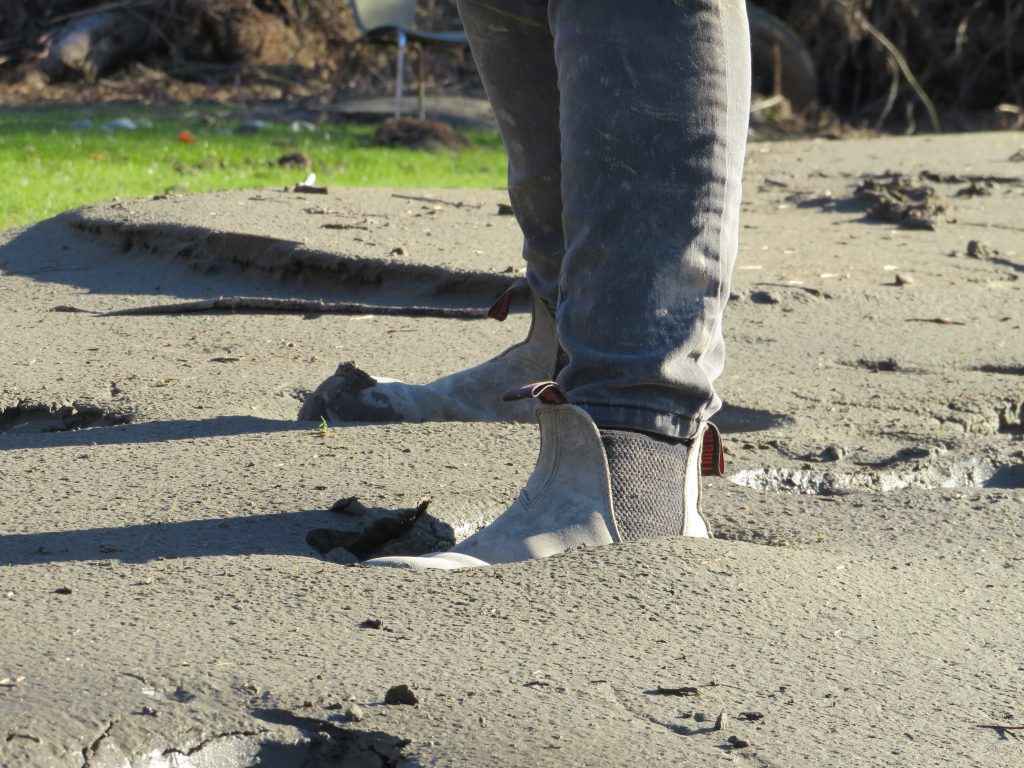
(1004, 416)
(211, 251)
(970, 473)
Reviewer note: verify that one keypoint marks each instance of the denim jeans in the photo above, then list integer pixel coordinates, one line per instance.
(625, 126)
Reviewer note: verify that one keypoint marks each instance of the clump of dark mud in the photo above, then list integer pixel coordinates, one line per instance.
(364, 533)
(894, 197)
(417, 133)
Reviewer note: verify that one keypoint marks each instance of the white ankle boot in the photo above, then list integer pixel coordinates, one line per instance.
(470, 395)
(567, 502)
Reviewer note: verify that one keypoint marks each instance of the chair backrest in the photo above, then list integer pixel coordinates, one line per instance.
(374, 14)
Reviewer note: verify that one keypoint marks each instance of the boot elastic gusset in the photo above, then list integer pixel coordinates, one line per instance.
(567, 503)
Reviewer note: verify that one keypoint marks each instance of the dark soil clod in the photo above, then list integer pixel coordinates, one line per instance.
(297, 159)
(367, 538)
(401, 694)
(350, 506)
(888, 365)
(977, 249)
(895, 199)
(417, 133)
(686, 690)
(764, 297)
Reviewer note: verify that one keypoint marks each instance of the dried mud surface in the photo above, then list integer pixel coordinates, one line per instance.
(166, 600)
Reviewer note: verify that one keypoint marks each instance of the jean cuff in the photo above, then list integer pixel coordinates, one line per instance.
(676, 426)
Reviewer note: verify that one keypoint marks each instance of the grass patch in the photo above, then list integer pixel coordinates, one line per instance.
(48, 166)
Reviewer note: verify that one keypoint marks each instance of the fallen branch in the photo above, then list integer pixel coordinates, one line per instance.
(285, 306)
(936, 320)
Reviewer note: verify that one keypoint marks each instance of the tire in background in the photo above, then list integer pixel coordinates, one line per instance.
(799, 78)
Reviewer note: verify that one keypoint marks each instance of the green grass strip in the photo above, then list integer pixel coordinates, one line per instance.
(49, 166)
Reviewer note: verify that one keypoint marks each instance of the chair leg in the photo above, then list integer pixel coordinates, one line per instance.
(421, 92)
(400, 73)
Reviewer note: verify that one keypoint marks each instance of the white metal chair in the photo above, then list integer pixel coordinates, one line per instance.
(393, 22)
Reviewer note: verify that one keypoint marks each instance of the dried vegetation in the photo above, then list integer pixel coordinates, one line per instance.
(902, 63)
(886, 64)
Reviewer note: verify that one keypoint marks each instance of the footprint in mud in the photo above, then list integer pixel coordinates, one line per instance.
(27, 417)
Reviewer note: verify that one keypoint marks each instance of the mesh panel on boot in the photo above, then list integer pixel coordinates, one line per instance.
(647, 478)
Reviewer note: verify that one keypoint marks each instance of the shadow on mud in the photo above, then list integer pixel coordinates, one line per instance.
(42, 418)
(374, 534)
(736, 418)
(326, 743)
(142, 432)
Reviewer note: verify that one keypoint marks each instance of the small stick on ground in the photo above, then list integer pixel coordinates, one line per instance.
(419, 198)
(286, 306)
(685, 690)
(937, 320)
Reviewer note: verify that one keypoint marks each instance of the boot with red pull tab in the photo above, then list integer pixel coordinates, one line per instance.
(590, 487)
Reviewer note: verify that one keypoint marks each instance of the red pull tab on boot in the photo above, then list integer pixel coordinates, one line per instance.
(499, 310)
(712, 455)
(546, 391)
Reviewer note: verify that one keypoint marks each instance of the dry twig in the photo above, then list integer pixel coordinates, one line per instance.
(422, 199)
(286, 306)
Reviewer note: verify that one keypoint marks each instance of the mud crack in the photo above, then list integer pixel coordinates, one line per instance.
(90, 751)
(215, 740)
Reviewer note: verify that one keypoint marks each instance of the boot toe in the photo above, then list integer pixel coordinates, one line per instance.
(446, 561)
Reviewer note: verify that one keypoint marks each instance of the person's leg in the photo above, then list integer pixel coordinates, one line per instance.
(654, 109)
(514, 51)
(651, 194)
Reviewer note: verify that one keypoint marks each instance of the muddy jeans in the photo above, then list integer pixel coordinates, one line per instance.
(625, 126)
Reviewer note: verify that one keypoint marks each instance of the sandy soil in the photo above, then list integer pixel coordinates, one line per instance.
(862, 604)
